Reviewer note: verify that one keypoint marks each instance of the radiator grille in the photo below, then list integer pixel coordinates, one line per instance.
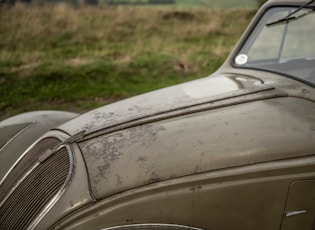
(34, 192)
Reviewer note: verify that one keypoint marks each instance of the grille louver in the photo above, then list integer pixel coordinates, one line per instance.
(36, 190)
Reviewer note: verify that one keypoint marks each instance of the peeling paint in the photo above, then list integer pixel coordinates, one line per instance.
(103, 153)
(119, 160)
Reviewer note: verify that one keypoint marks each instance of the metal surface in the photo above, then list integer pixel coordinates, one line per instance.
(75, 194)
(9, 132)
(24, 167)
(42, 122)
(28, 191)
(231, 151)
(200, 142)
(248, 197)
(197, 92)
(63, 187)
(244, 96)
(152, 227)
(300, 207)
(294, 213)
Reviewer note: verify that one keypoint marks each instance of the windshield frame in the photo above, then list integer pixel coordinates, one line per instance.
(247, 38)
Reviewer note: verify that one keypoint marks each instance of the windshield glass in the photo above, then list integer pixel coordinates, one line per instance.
(287, 48)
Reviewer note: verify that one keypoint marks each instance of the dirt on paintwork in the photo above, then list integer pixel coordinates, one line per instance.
(106, 153)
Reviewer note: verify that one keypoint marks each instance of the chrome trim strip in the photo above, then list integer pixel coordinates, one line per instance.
(46, 155)
(294, 213)
(17, 134)
(59, 137)
(19, 182)
(61, 191)
(192, 104)
(145, 226)
(265, 93)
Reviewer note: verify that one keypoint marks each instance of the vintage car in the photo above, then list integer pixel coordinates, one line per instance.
(235, 150)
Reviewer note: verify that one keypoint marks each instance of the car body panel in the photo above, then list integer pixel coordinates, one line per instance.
(30, 126)
(8, 133)
(148, 152)
(248, 197)
(232, 150)
(164, 100)
(76, 194)
(300, 206)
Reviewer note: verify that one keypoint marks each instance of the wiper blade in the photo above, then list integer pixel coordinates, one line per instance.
(290, 17)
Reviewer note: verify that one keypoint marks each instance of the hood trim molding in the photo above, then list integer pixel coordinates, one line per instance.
(228, 99)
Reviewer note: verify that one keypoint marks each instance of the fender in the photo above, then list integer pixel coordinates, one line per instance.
(19, 132)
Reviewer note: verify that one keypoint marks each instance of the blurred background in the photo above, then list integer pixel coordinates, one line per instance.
(76, 55)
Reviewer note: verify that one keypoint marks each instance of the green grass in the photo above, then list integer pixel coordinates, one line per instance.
(76, 59)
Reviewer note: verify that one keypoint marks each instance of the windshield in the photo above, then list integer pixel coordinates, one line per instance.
(287, 48)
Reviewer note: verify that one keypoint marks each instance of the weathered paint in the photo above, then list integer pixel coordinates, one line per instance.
(251, 197)
(233, 150)
(210, 140)
(40, 123)
(172, 98)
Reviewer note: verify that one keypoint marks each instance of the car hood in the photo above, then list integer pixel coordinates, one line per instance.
(175, 98)
(204, 125)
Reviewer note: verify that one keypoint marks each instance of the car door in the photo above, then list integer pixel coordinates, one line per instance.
(300, 207)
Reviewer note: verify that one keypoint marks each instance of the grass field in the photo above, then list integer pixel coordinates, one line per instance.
(219, 4)
(222, 4)
(76, 59)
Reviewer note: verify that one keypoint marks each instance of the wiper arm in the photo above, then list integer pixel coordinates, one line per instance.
(290, 17)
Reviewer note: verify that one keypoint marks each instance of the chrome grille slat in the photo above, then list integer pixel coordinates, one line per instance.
(35, 191)
(29, 159)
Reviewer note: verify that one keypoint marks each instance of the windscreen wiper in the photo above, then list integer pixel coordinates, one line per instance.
(291, 17)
